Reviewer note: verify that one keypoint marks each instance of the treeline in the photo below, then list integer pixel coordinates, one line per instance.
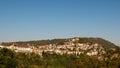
(39, 42)
(10, 59)
(100, 41)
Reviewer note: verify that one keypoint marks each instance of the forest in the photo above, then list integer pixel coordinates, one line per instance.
(10, 59)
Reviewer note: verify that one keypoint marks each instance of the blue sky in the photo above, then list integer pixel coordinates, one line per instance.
(45, 19)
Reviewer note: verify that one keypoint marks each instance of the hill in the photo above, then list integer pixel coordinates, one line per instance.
(105, 43)
(60, 53)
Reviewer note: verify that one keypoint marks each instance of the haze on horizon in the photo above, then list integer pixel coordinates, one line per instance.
(45, 19)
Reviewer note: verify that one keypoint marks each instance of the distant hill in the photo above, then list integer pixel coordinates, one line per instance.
(37, 42)
(101, 41)
(105, 43)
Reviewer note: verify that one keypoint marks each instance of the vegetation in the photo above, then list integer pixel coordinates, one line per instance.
(10, 59)
(100, 41)
(39, 42)
(104, 43)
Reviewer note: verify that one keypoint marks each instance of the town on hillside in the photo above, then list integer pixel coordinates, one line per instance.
(69, 47)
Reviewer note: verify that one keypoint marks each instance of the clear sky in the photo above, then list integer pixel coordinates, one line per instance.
(45, 19)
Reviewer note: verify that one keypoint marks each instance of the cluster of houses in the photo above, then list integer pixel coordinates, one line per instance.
(68, 48)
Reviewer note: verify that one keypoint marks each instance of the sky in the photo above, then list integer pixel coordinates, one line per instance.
(23, 20)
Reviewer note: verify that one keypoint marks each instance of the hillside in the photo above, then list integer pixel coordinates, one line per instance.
(60, 53)
(87, 45)
(105, 43)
